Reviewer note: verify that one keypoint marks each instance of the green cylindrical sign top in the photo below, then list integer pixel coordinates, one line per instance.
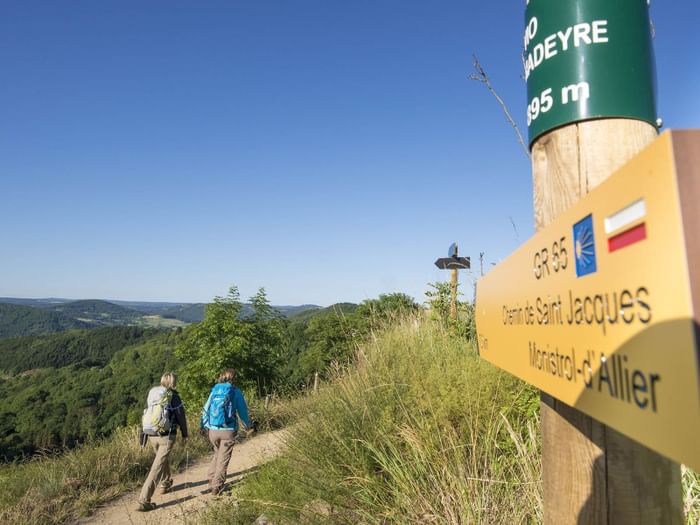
(588, 59)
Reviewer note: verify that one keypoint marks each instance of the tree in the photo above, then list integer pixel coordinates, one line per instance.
(387, 307)
(439, 303)
(224, 339)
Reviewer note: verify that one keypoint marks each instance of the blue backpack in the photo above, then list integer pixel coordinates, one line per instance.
(221, 412)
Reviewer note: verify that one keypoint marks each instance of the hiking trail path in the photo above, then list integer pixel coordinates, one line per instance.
(190, 494)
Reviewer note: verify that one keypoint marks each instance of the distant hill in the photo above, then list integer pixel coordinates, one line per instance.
(36, 303)
(188, 313)
(91, 313)
(97, 313)
(308, 314)
(150, 307)
(291, 311)
(194, 313)
(18, 320)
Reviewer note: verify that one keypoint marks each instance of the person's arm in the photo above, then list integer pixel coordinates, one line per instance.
(241, 407)
(179, 410)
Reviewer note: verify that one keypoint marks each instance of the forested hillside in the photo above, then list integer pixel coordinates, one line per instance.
(23, 317)
(19, 320)
(55, 407)
(84, 348)
(188, 313)
(99, 313)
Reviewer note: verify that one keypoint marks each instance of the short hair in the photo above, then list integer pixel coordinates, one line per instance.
(227, 376)
(168, 380)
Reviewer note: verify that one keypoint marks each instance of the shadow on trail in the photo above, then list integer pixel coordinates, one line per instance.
(189, 484)
(241, 475)
(243, 472)
(176, 501)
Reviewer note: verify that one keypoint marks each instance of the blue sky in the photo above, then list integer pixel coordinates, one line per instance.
(326, 150)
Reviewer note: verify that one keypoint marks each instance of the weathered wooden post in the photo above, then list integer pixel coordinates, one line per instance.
(606, 70)
(583, 311)
(453, 262)
(454, 280)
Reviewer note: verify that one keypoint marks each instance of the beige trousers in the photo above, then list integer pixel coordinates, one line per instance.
(222, 441)
(160, 470)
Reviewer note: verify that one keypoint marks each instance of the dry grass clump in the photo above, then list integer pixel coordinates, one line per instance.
(691, 495)
(60, 488)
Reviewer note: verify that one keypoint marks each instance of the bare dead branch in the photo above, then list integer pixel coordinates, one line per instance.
(515, 229)
(481, 76)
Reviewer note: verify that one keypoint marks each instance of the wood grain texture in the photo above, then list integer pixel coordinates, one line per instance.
(454, 282)
(642, 487)
(573, 465)
(592, 474)
(606, 145)
(555, 174)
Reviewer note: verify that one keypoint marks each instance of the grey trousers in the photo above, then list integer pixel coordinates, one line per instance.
(160, 470)
(222, 441)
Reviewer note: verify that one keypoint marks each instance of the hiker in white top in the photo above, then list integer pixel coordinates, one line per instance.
(164, 412)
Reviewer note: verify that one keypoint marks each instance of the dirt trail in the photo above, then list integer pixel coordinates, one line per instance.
(190, 492)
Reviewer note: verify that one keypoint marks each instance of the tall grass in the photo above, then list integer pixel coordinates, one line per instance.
(691, 495)
(421, 430)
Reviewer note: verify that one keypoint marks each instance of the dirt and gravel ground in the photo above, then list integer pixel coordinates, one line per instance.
(190, 495)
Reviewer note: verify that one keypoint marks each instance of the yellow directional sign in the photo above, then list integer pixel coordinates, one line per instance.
(600, 308)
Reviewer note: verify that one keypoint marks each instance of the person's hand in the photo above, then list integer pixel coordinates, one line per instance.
(252, 429)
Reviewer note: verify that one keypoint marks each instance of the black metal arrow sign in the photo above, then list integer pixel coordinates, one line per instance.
(453, 263)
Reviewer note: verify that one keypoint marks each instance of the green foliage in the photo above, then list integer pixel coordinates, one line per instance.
(56, 408)
(328, 339)
(18, 320)
(84, 348)
(421, 430)
(252, 345)
(388, 307)
(439, 300)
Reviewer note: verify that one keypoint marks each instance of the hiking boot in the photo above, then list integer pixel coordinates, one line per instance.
(145, 506)
(166, 487)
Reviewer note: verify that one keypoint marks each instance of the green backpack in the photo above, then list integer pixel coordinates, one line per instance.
(156, 416)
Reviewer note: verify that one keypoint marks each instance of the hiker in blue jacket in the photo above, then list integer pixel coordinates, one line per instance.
(220, 423)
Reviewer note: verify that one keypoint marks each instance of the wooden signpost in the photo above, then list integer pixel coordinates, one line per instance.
(597, 309)
(600, 309)
(455, 263)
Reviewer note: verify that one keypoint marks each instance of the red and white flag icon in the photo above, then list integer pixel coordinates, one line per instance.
(626, 226)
